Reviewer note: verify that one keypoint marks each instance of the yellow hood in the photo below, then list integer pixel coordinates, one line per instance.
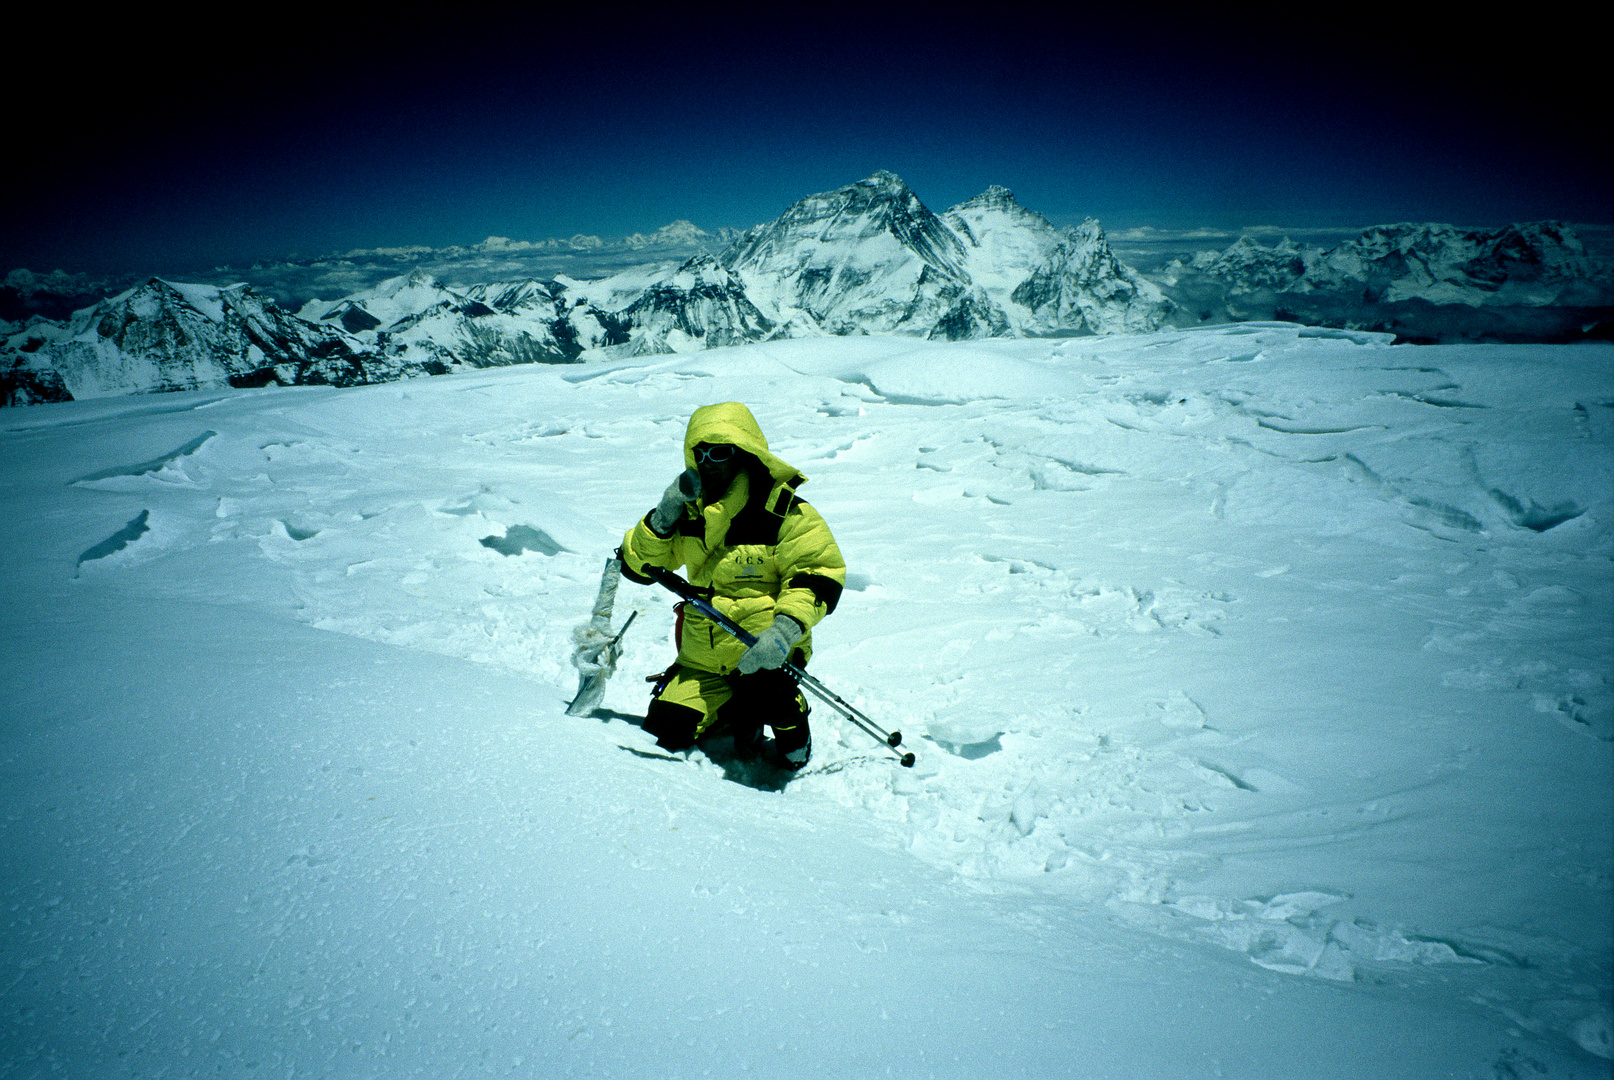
(731, 422)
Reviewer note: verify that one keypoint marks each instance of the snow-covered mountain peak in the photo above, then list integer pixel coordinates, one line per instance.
(673, 233)
(514, 295)
(1544, 250)
(867, 256)
(1088, 233)
(167, 335)
(887, 181)
(701, 270)
(417, 279)
(995, 197)
(699, 305)
(1248, 264)
(1043, 278)
(1246, 250)
(879, 206)
(1538, 248)
(399, 298)
(154, 299)
(993, 220)
(887, 199)
(207, 299)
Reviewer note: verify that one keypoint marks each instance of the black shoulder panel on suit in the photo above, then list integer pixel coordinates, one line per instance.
(627, 572)
(828, 590)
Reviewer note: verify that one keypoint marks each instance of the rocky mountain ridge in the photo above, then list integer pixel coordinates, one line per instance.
(869, 257)
(165, 336)
(1422, 281)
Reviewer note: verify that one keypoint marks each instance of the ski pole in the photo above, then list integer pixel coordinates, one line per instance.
(692, 595)
(676, 584)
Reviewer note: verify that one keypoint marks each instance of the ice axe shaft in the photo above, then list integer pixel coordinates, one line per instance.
(625, 624)
(674, 583)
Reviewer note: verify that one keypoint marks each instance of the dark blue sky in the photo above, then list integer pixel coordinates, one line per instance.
(336, 133)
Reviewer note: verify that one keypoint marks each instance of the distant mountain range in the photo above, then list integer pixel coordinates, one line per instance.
(1425, 283)
(868, 258)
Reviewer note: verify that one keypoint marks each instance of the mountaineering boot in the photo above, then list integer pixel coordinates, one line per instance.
(792, 738)
(749, 743)
(672, 725)
(770, 696)
(792, 760)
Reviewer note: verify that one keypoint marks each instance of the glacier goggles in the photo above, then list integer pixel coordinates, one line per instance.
(718, 454)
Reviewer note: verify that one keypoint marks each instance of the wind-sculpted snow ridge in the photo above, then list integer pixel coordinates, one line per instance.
(160, 465)
(1264, 643)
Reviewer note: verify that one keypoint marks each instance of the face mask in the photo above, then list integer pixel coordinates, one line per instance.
(717, 465)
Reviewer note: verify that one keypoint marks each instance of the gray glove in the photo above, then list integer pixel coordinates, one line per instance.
(687, 488)
(773, 645)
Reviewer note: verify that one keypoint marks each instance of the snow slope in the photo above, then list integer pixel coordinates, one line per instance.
(1260, 679)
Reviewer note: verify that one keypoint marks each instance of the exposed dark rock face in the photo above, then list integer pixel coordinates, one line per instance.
(163, 336)
(701, 305)
(354, 319)
(973, 315)
(25, 385)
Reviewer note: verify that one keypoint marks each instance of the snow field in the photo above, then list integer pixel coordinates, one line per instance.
(1267, 643)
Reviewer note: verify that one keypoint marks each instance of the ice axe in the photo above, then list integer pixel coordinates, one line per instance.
(596, 652)
(673, 582)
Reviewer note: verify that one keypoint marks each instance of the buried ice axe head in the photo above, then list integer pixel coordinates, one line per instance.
(594, 657)
(595, 650)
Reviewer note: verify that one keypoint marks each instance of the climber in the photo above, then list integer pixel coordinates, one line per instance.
(733, 522)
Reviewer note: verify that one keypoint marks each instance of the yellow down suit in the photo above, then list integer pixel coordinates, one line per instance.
(760, 551)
